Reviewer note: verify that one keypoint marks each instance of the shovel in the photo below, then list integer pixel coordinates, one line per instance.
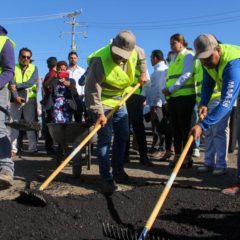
(35, 197)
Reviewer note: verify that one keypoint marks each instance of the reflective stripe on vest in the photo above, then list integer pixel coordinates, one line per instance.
(228, 53)
(21, 78)
(3, 40)
(175, 70)
(116, 81)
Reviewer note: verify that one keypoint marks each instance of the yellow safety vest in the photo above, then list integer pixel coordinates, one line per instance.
(228, 53)
(3, 40)
(198, 79)
(21, 78)
(116, 82)
(175, 70)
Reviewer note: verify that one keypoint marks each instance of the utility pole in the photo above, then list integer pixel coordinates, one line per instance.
(74, 24)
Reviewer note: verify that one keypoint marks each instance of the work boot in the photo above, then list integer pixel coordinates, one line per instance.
(6, 179)
(109, 187)
(146, 161)
(121, 178)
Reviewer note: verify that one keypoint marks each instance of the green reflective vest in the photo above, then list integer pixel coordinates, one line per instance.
(228, 53)
(198, 78)
(116, 82)
(175, 70)
(21, 78)
(3, 39)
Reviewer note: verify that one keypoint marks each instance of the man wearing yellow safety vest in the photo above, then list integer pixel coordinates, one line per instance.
(7, 62)
(111, 72)
(24, 95)
(216, 137)
(221, 64)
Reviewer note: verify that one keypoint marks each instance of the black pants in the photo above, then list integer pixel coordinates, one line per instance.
(47, 136)
(181, 110)
(135, 114)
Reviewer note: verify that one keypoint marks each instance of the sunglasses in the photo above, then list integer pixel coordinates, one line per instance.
(25, 57)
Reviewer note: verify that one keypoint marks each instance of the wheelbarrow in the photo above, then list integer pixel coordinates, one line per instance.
(65, 134)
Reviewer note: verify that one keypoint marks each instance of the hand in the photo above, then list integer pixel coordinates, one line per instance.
(166, 92)
(142, 79)
(196, 131)
(66, 82)
(19, 100)
(202, 112)
(12, 87)
(101, 120)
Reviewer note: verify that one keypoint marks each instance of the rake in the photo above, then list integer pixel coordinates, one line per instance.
(119, 233)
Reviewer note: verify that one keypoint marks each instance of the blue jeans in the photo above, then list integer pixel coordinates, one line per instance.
(216, 141)
(5, 145)
(238, 135)
(117, 124)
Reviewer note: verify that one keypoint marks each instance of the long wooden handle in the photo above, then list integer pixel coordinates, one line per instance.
(86, 140)
(166, 190)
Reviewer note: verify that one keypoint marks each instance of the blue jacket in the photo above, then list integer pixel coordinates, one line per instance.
(7, 60)
(229, 92)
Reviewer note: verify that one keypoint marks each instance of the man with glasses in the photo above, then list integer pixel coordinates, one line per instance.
(24, 95)
(7, 62)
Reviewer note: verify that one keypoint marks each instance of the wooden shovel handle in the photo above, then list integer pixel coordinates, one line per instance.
(86, 140)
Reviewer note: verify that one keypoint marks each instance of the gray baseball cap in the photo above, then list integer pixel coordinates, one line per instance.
(205, 45)
(123, 44)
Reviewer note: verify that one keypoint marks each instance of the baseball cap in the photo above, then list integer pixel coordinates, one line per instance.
(123, 44)
(205, 45)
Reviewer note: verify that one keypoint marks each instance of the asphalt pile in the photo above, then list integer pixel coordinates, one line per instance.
(186, 214)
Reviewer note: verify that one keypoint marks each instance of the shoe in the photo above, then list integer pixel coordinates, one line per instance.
(76, 171)
(204, 169)
(157, 154)
(121, 178)
(232, 190)
(166, 155)
(196, 153)
(187, 163)
(174, 161)
(219, 171)
(146, 161)
(109, 187)
(30, 151)
(6, 179)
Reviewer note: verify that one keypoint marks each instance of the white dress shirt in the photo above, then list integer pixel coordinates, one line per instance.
(157, 84)
(76, 73)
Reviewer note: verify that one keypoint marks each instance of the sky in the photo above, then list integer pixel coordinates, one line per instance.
(38, 25)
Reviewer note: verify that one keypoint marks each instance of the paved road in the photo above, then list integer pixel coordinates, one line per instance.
(37, 168)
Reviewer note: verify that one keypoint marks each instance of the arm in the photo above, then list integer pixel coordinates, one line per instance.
(229, 94)
(187, 73)
(7, 60)
(141, 65)
(33, 80)
(93, 87)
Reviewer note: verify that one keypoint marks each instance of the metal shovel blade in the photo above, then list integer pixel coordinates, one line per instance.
(32, 198)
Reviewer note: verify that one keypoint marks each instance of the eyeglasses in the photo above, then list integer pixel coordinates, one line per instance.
(25, 57)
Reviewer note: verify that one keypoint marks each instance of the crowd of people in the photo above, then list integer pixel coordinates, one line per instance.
(203, 82)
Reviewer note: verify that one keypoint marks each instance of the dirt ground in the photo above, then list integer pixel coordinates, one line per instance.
(194, 209)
